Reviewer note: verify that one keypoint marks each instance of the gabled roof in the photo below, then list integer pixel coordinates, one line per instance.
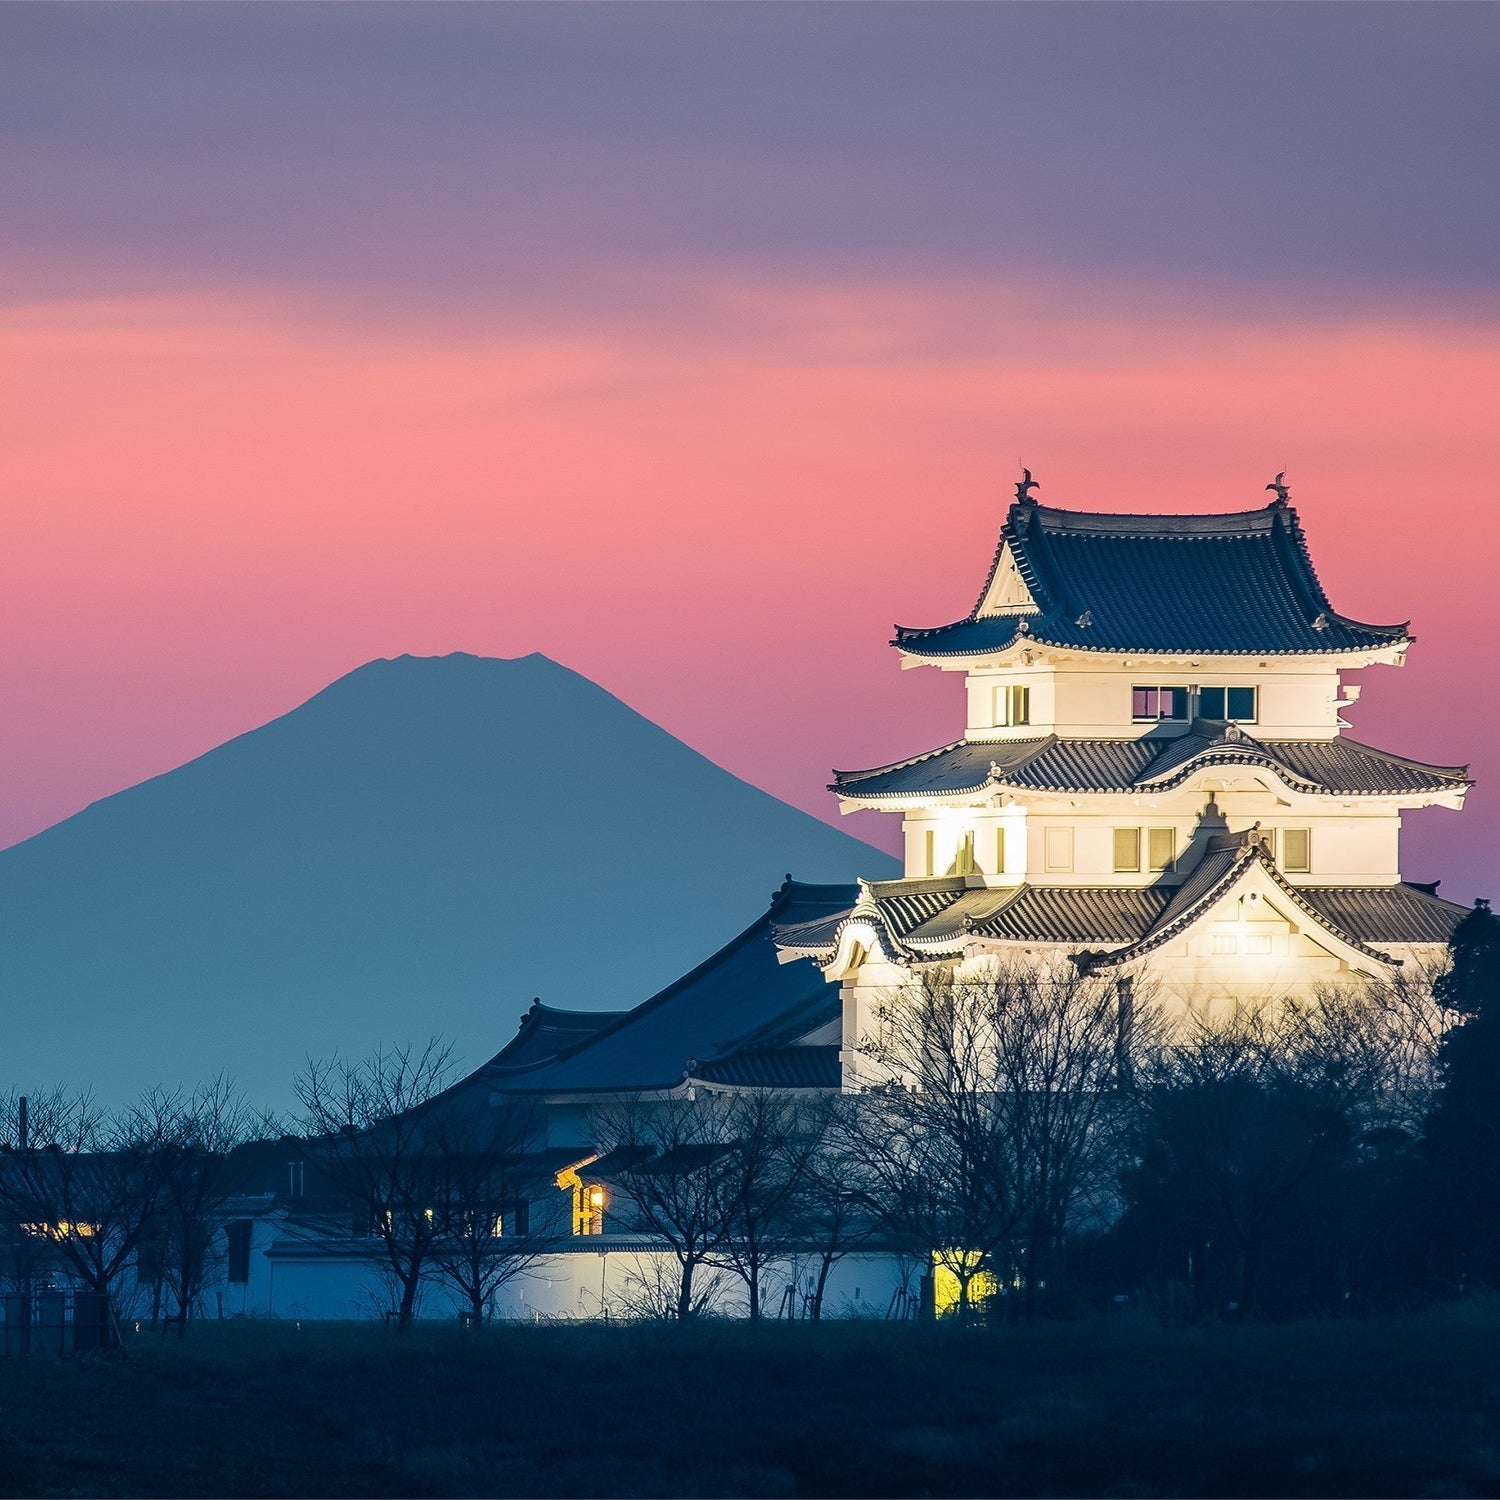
(741, 996)
(1236, 584)
(1338, 767)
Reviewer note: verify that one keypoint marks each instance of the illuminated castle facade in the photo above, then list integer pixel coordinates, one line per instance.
(1153, 779)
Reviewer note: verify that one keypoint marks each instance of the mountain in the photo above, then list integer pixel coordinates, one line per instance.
(419, 849)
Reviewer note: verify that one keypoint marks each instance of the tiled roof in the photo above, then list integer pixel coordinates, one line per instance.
(1134, 919)
(1337, 767)
(1235, 584)
(739, 993)
(775, 1068)
(1388, 913)
(547, 1032)
(1046, 914)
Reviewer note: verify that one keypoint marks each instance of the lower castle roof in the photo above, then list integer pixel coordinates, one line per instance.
(930, 918)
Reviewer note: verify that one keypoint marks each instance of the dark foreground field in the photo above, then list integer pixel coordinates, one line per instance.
(1407, 1407)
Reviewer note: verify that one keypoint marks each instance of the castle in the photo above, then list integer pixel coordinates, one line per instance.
(1154, 777)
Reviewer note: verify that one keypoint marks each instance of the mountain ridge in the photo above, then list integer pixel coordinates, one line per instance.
(418, 847)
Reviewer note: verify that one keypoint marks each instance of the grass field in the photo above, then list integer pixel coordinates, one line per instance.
(1401, 1407)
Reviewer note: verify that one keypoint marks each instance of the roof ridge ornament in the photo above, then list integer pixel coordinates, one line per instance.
(1024, 486)
(1283, 490)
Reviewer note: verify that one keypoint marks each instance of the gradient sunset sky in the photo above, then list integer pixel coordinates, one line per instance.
(694, 346)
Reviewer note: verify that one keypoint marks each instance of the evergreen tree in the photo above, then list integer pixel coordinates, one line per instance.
(1463, 1128)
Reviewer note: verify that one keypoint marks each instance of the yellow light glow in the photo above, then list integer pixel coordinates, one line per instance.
(596, 1197)
(983, 1284)
(63, 1229)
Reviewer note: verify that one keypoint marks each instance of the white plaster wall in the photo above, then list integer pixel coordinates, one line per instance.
(581, 1282)
(1089, 698)
(948, 826)
(1357, 843)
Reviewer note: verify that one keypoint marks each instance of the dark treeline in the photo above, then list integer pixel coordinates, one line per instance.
(1338, 1153)
(1035, 1142)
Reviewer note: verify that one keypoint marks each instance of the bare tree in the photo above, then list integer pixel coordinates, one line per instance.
(88, 1183)
(486, 1181)
(202, 1173)
(1375, 1041)
(832, 1205)
(1000, 1118)
(771, 1141)
(674, 1161)
(368, 1130)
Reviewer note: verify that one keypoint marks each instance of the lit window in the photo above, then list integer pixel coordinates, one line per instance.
(1257, 942)
(1059, 848)
(62, 1229)
(1147, 704)
(1161, 848)
(929, 843)
(589, 1200)
(963, 861)
(1224, 703)
(1127, 850)
(1224, 942)
(497, 1227)
(1012, 705)
(1296, 850)
(999, 851)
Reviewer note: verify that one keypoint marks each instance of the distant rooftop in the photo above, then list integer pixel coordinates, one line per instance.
(1241, 583)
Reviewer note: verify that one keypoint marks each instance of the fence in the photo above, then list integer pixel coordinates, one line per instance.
(54, 1322)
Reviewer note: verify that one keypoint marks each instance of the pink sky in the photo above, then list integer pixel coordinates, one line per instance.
(715, 506)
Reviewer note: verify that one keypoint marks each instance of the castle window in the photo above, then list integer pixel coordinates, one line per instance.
(1224, 942)
(1148, 704)
(589, 1202)
(1161, 848)
(1296, 851)
(1059, 850)
(1225, 703)
(1127, 850)
(1000, 851)
(929, 844)
(963, 863)
(1258, 942)
(1012, 705)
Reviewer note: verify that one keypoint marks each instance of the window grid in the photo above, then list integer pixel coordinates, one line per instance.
(1296, 850)
(1241, 704)
(1149, 704)
(1161, 849)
